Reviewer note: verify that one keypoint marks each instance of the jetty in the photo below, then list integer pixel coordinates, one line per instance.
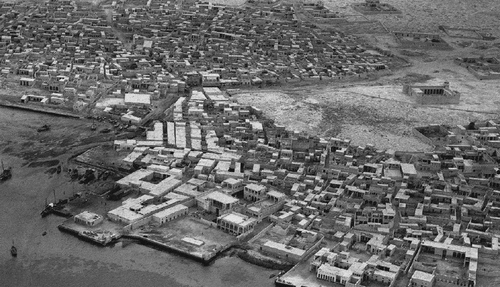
(40, 109)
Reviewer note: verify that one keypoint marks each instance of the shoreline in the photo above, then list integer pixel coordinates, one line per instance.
(37, 109)
(162, 246)
(59, 259)
(81, 236)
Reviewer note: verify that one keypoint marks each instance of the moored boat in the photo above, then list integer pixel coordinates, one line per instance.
(13, 250)
(43, 128)
(49, 208)
(6, 173)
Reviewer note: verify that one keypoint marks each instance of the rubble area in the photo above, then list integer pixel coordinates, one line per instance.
(377, 112)
(425, 15)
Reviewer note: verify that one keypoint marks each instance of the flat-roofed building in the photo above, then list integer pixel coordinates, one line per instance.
(88, 218)
(273, 202)
(170, 213)
(283, 251)
(137, 99)
(152, 182)
(156, 134)
(331, 273)
(383, 276)
(254, 192)
(233, 185)
(180, 134)
(33, 98)
(422, 279)
(171, 133)
(175, 196)
(216, 201)
(409, 170)
(432, 95)
(27, 82)
(204, 166)
(124, 215)
(210, 80)
(236, 223)
(188, 189)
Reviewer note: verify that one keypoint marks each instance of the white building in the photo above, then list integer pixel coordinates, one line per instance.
(156, 134)
(137, 99)
(170, 213)
(273, 202)
(333, 274)
(236, 223)
(88, 218)
(153, 182)
(254, 192)
(283, 251)
(216, 201)
(124, 215)
(422, 279)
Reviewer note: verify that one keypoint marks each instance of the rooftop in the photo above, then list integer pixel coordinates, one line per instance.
(422, 276)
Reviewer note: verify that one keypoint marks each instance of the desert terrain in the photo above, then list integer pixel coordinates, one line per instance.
(427, 16)
(376, 111)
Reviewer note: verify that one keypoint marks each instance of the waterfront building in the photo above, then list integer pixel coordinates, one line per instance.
(236, 223)
(170, 213)
(88, 218)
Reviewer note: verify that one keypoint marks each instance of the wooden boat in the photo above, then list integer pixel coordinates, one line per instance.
(13, 250)
(6, 173)
(43, 128)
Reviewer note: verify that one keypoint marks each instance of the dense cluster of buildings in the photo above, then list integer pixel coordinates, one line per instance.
(231, 46)
(354, 213)
(75, 53)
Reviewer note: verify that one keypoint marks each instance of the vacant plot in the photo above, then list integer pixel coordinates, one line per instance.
(427, 15)
(172, 233)
(378, 112)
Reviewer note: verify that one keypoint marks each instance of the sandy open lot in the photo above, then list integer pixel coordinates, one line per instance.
(173, 232)
(378, 112)
(427, 15)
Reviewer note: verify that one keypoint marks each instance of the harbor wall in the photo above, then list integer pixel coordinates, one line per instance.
(79, 235)
(39, 109)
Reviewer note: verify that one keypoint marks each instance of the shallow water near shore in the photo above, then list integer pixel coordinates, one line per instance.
(59, 259)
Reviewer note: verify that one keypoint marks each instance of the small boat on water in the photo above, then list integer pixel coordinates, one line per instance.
(49, 208)
(43, 128)
(6, 173)
(13, 250)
